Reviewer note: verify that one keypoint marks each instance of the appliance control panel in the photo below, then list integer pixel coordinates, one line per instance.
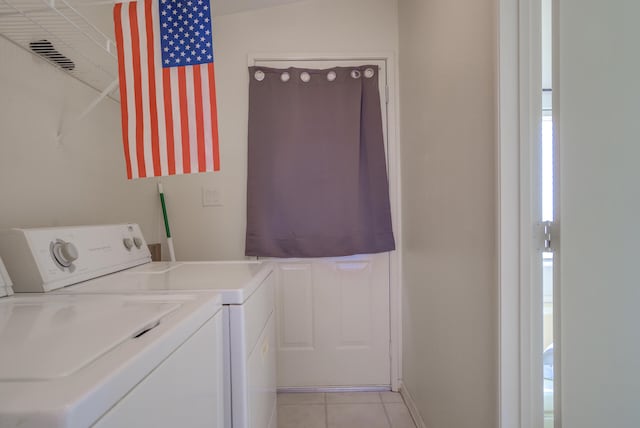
(45, 259)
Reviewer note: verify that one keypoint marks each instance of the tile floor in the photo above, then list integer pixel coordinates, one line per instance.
(343, 410)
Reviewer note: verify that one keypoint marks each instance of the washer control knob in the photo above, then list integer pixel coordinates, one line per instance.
(128, 243)
(137, 241)
(65, 253)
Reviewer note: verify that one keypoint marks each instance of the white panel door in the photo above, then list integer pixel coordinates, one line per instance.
(333, 322)
(333, 313)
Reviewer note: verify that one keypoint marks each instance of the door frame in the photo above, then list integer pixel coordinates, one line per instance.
(508, 230)
(393, 171)
(515, 195)
(519, 132)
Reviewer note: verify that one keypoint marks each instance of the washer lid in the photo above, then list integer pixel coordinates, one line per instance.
(47, 337)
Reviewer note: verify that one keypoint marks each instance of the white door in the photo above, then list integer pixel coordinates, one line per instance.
(333, 313)
(599, 131)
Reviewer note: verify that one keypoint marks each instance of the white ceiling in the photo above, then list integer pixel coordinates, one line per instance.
(219, 7)
(225, 7)
(100, 12)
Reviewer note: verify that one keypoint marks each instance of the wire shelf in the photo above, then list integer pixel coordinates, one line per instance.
(55, 31)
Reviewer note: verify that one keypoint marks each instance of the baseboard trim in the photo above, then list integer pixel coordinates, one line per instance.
(411, 405)
(376, 388)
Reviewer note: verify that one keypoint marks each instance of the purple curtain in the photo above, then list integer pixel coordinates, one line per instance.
(317, 180)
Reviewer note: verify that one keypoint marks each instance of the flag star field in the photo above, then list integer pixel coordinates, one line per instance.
(185, 32)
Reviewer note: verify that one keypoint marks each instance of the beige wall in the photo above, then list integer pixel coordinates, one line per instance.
(447, 84)
(83, 181)
(447, 101)
(317, 26)
(79, 181)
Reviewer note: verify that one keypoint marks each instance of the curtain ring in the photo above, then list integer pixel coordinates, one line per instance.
(305, 77)
(356, 74)
(259, 75)
(369, 73)
(331, 76)
(285, 77)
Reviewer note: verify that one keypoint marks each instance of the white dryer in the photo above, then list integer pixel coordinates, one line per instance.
(247, 289)
(72, 361)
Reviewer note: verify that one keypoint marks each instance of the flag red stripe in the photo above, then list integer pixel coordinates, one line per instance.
(168, 117)
(197, 84)
(184, 120)
(214, 118)
(184, 113)
(137, 86)
(155, 144)
(117, 11)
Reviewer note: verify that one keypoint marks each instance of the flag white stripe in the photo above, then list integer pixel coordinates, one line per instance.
(206, 109)
(177, 127)
(191, 108)
(162, 132)
(144, 74)
(133, 118)
(131, 107)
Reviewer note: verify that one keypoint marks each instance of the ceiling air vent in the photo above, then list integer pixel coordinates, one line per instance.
(45, 49)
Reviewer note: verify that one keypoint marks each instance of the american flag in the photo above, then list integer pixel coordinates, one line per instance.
(167, 87)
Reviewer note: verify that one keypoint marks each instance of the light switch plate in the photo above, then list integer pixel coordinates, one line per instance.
(211, 197)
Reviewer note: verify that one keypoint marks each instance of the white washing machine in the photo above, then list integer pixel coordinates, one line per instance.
(247, 289)
(110, 361)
